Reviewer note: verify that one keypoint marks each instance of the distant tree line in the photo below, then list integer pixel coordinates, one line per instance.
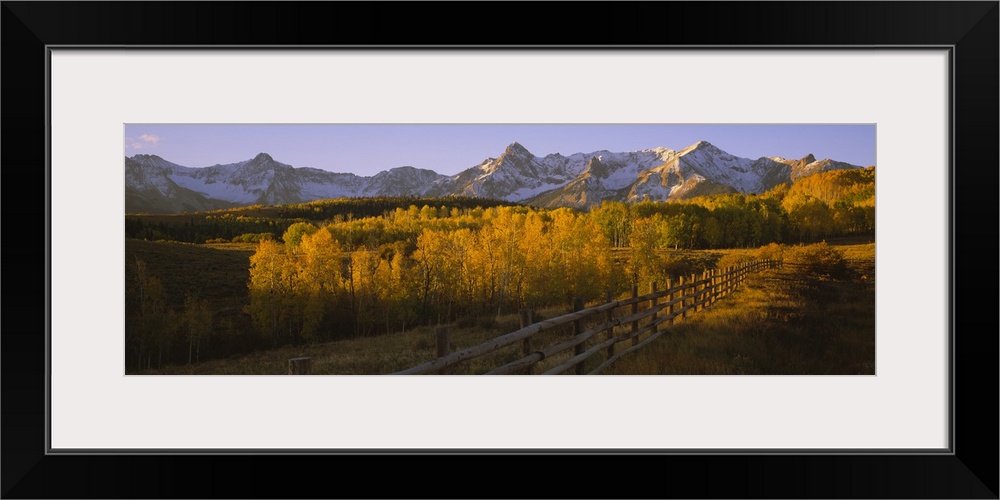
(825, 205)
(249, 224)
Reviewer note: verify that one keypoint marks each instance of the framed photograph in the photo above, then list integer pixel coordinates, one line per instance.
(100, 80)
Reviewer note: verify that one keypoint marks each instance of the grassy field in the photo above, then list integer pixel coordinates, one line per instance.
(219, 272)
(781, 322)
(379, 354)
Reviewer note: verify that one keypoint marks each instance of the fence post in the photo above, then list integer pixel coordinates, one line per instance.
(693, 296)
(652, 304)
(526, 345)
(696, 292)
(611, 329)
(712, 281)
(577, 330)
(300, 366)
(684, 298)
(670, 298)
(697, 296)
(443, 347)
(701, 291)
(635, 310)
(710, 287)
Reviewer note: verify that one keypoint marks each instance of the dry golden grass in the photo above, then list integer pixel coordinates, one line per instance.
(382, 354)
(780, 323)
(862, 251)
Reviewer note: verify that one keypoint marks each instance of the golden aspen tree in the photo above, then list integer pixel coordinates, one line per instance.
(268, 288)
(615, 220)
(441, 270)
(537, 254)
(366, 286)
(486, 262)
(318, 279)
(402, 290)
(597, 255)
(460, 246)
(507, 234)
(565, 250)
(644, 263)
(585, 255)
(540, 287)
(293, 235)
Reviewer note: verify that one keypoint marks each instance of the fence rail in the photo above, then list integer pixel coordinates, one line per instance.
(633, 317)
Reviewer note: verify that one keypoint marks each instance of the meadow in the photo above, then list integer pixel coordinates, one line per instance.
(787, 321)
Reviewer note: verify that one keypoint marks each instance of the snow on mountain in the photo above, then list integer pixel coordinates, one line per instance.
(265, 181)
(579, 180)
(713, 163)
(260, 180)
(513, 176)
(149, 188)
(517, 175)
(701, 169)
(400, 181)
(697, 170)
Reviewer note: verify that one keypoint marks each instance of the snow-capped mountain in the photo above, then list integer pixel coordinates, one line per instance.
(149, 187)
(402, 181)
(151, 183)
(580, 180)
(517, 175)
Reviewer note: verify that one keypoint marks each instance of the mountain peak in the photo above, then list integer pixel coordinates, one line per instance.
(517, 148)
(263, 157)
(597, 168)
(809, 158)
(700, 146)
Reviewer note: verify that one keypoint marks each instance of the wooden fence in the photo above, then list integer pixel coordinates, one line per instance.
(598, 330)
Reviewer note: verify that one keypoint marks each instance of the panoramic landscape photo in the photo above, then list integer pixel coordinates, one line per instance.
(469, 249)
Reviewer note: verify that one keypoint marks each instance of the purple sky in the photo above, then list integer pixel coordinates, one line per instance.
(449, 149)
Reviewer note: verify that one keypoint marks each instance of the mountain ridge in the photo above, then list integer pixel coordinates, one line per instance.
(580, 180)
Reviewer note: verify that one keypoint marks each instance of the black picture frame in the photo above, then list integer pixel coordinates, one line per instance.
(969, 28)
